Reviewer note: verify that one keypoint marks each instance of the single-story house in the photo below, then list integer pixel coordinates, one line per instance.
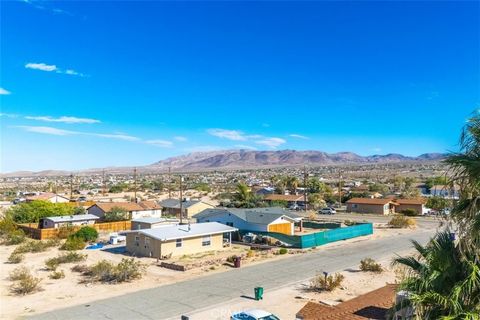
(289, 198)
(415, 204)
(177, 240)
(369, 205)
(171, 207)
(445, 191)
(372, 305)
(256, 219)
(61, 221)
(48, 196)
(135, 210)
(152, 222)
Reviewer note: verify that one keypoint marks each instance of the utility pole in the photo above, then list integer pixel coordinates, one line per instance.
(181, 200)
(71, 185)
(169, 182)
(305, 187)
(135, 184)
(103, 182)
(340, 187)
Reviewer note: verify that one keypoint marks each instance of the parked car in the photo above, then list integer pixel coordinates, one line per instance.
(327, 211)
(293, 207)
(254, 314)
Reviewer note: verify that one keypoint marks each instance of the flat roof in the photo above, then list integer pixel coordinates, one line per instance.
(153, 220)
(173, 232)
(78, 217)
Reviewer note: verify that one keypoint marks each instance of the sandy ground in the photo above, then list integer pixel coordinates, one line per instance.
(68, 291)
(288, 300)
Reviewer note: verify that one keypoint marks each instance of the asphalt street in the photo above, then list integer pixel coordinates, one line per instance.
(187, 296)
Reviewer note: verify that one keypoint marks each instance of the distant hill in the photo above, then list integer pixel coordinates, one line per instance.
(248, 158)
(236, 159)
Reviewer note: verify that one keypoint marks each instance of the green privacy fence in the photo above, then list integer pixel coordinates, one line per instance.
(321, 225)
(322, 237)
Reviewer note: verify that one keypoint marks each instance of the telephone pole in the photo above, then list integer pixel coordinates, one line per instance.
(103, 182)
(305, 187)
(71, 185)
(169, 182)
(340, 187)
(181, 200)
(135, 184)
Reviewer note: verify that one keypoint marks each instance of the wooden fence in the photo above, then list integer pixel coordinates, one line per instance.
(32, 230)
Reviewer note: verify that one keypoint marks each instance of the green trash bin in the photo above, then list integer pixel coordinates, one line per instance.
(258, 293)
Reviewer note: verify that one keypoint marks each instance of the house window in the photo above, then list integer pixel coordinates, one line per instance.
(147, 242)
(206, 241)
(137, 240)
(178, 243)
(354, 206)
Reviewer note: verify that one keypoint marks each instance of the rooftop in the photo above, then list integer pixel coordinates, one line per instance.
(78, 217)
(284, 197)
(253, 215)
(370, 201)
(153, 220)
(186, 231)
(372, 305)
(175, 203)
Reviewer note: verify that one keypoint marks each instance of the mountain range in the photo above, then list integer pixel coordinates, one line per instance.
(238, 159)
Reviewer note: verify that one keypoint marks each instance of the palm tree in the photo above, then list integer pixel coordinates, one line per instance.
(465, 172)
(442, 282)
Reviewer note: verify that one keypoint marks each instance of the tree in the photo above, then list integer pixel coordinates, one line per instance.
(244, 198)
(465, 172)
(292, 184)
(79, 210)
(432, 181)
(31, 212)
(202, 187)
(314, 185)
(120, 187)
(280, 183)
(442, 284)
(437, 203)
(316, 200)
(116, 214)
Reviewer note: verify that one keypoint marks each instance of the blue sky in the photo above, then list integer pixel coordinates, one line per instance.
(93, 84)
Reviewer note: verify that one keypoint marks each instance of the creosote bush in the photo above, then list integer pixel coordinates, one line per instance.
(330, 283)
(26, 285)
(282, 251)
(36, 246)
(105, 271)
(18, 273)
(73, 243)
(69, 257)
(57, 275)
(369, 265)
(87, 234)
(409, 212)
(399, 221)
(15, 258)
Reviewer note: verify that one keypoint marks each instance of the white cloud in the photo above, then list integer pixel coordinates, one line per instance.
(51, 67)
(63, 119)
(160, 143)
(180, 138)
(114, 136)
(48, 130)
(8, 115)
(235, 135)
(299, 136)
(271, 142)
(41, 66)
(4, 91)
(243, 146)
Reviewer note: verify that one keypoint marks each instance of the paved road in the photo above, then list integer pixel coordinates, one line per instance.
(184, 297)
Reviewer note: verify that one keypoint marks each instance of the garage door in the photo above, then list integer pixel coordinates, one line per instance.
(284, 228)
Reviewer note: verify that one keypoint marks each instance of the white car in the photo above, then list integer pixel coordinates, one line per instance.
(327, 211)
(254, 314)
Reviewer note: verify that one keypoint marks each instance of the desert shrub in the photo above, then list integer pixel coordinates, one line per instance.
(15, 258)
(128, 269)
(409, 212)
(18, 273)
(116, 214)
(399, 221)
(87, 234)
(329, 283)
(125, 271)
(57, 275)
(81, 268)
(15, 236)
(250, 253)
(70, 257)
(65, 231)
(36, 246)
(370, 265)
(31, 212)
(27, 284)
(73, 243)
(231, 258)
(282, 251)
(7, 225)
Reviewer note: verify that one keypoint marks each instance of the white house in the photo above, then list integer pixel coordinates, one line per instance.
(135, 210)
(48, 196)
(255, 219)
(61, 221)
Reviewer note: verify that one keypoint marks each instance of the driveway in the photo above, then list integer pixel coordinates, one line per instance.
(184, 297)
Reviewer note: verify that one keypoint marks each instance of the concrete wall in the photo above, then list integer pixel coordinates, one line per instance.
(368, 208)
(157, 249)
